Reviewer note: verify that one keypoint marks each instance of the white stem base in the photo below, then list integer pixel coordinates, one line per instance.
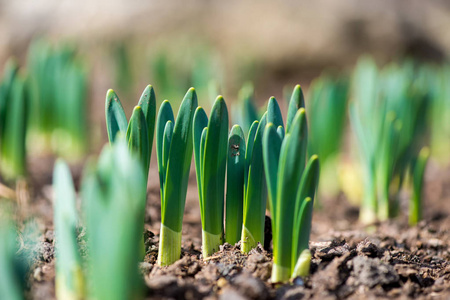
(169, 246)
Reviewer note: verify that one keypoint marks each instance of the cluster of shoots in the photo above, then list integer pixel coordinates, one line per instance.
(292, 184)
(59, 88)
(244, 167)
(271, 162)
(14, 106)
(388, 116)
(111, 193)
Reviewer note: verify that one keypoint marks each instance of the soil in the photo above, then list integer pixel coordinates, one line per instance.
(384, 261)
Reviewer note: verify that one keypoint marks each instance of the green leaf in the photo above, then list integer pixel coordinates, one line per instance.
(415, 204)
(148, 104)
(201, 167)
(180, 156)
(69, 275)
(297, 101)
(165, 115)
(304, 209)
(13, 151)
(137, 138)
(112, 194)
(235, 185)
(274, 113)
(290, 170)
(249, 151)
(176, 180)
(255, 194)
(116, 121)
(271, 153)
(200, 123)
(214, 166)
(167, 141)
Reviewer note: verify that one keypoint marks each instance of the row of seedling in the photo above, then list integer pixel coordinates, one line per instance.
(43, 106)
(388, 114)
(58, 80)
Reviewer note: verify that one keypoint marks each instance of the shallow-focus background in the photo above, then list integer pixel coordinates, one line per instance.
(270, 43)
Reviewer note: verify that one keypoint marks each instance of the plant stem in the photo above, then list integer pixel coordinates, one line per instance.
(280, 273)
(211, 243)
(169, 246)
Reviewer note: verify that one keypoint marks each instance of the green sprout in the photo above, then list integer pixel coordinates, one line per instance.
(60, 86)
(140, 130)
(174, 148)
(255, 186)
(69, 281)
(112, 193)
(14, 101)
(415, 205)
(255, 190)
(327, 117)
(210, 154)
(235, 185)
(291, 188)
(388, 114)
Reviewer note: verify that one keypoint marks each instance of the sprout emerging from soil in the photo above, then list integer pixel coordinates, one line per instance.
(112, 193)
(388, 116)
(255, 190)
(69, 281)
(139, 131)
(174, 153)
(291, 186)
(415, 205)
(210, 153)
(235, 185)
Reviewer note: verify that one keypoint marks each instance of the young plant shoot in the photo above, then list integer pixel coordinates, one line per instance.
(60, 85)
(255, 190)
(292, 188)
(415, 205)
(210, 153)
(255, 186)
(141, 128)
(69, 281)
(235, 185)
(14, 98)
(327, 117)
(174, 153)
(112, 194)
(388, 115)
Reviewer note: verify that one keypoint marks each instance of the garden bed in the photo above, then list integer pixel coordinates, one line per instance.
(389, 260)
